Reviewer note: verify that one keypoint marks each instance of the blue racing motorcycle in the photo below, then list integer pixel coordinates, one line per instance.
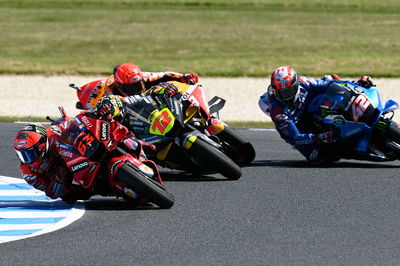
(363, 127)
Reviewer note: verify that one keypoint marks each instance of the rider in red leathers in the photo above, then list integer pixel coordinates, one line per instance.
(42, 166)
(128, 79)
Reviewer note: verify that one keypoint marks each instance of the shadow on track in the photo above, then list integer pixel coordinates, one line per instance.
(114, 204)
(180, 176)
(305, 164)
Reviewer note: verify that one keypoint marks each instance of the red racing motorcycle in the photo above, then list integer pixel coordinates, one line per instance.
(105, 158)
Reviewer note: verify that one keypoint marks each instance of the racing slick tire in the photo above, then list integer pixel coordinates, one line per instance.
(214, 159)
(144, 186)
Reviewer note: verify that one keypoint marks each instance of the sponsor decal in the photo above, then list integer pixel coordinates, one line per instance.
(28, 128)
(349, 103)
(146, 170)
(55, 129)
(21, 143)
(92, 168)
(79, 122)
(66, 153)
(304, 142)
(186, 95)
(352, 132)
(80, 166)
(129, 192)
(109, 143)
(86, 122)
(314, 155)
(356, 89)
(113, 166)
(154, 139)
(66, 147)
(138, 123)
(339, 120)
(104, 131)
(194, 101)
(281, 117)
(29, 177)
(23, 136)
(148, 99)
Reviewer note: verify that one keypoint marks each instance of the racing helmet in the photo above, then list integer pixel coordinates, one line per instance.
(285, 84)
(31, 143)
(91, 93)
(128, 79)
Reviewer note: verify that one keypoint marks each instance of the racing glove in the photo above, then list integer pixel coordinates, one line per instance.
(168, 89)
(190, 78)
(109, 107)
(57, 183)
(365, 81)
(332, 77)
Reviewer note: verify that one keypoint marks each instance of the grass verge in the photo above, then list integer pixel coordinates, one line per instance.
(213, 38)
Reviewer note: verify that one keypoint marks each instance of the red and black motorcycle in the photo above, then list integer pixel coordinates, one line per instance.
(105, 157)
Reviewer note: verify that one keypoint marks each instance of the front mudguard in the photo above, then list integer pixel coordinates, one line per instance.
(147, 167)
(189, 138)
(215, 126)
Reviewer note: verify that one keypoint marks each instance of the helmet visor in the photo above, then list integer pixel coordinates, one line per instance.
(287, 94)
(30, 155)
(132, 88)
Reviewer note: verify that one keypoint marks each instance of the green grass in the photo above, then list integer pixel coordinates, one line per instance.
(213, 38)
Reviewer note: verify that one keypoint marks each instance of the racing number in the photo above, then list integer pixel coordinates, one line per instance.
(359, 106)
(84, 142)
(161, 122)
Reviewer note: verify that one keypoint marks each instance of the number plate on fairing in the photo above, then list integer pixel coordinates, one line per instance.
(161, 121)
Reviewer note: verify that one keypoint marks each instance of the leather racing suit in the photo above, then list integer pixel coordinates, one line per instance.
(291, 121)
(50, 175)
(150, 79)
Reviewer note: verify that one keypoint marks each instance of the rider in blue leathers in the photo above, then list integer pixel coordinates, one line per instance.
(285, 102)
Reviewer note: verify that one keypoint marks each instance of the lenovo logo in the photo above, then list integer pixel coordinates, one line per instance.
(104, 131)
(80, 166)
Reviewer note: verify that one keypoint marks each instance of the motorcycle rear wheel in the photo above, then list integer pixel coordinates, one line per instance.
(240, 149)
(215, 160)
(393, 139)
(144, 186)
(393, 133)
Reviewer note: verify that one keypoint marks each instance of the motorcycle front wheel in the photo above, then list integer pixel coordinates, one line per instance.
(215, 160)
(144, 186)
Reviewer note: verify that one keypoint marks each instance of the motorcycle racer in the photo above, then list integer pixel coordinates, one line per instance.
(39, 151)
(128, 79)
(287, 97)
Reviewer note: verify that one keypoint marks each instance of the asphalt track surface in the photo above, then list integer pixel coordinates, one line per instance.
(280, 212)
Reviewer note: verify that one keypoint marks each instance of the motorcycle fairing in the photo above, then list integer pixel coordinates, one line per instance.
(351, 110)
(161, 122)
(195, 95)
